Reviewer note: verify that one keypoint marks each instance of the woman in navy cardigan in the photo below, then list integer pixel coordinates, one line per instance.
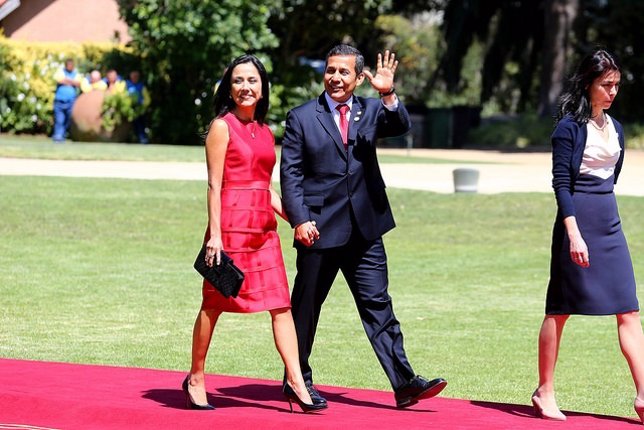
(590, 268)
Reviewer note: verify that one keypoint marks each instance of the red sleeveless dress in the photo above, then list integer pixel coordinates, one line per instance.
(248, 224)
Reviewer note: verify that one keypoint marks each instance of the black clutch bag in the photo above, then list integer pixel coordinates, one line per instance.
(225, 277)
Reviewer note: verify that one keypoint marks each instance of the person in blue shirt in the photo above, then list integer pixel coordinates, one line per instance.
(67, 83)
(135, 87)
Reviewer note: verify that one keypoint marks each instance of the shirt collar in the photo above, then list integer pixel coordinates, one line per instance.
(333, 104)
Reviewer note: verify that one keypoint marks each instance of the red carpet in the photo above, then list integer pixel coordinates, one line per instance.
(36, 394)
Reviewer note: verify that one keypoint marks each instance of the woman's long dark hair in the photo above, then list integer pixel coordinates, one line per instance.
(224, 103)
(575, 101)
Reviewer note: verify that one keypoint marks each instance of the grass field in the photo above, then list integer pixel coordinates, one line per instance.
(41, 147)
(100, 271)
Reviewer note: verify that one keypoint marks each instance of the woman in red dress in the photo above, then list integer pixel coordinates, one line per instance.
(242, 203)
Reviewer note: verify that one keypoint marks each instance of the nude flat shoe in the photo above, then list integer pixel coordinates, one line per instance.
(550, 415)
(639, 408)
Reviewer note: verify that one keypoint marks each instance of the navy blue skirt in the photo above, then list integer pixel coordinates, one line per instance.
(607, 287)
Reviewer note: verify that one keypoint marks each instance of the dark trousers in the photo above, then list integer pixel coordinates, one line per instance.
(364, 266)
(62, 118)
(139, 129)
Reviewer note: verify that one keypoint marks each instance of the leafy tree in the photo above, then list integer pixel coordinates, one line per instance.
(185, 44)
(617, 25)
(512, 32)
(560, 15)
(184, 47)
(310, 27)
(413, 7)
(413, 41)
(306, 30)
(417, 41)
(531, 46)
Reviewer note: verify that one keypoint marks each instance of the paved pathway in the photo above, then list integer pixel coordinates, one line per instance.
(498, 171)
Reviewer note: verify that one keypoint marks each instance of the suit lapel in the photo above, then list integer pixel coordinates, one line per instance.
(357, 111)
(325, 117)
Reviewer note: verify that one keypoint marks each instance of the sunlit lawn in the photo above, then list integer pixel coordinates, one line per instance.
(100, 271)
(42, 147)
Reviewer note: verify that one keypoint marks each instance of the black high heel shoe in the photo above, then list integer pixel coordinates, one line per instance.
(306, 407)
(190, 404)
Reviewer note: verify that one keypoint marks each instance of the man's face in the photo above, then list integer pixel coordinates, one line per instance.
(340, 78)
(69, 65)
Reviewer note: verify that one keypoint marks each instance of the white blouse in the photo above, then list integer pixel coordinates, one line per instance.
(600, 156)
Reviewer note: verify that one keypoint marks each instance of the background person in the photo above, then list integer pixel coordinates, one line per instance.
(240, 154)
(67, 82)
(93, 82)
(137, 89)
(335, 199)
(590, 268)
(114, 82)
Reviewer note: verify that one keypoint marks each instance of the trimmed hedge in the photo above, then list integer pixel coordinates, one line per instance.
(27, 83)
(634, 135)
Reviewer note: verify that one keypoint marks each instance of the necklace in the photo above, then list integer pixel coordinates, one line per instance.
(594, 123)
(249, 124)
(253, 129)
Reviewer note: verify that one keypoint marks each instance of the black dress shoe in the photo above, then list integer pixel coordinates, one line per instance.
(315, 394)
(417, 389)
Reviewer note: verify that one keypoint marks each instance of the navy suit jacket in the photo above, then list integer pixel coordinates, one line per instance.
(568, 144)
(323, 182)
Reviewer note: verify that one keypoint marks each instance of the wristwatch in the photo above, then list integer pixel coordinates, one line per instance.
(388, 93)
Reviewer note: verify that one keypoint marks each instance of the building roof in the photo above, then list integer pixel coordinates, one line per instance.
(64, 20)
(8, 6)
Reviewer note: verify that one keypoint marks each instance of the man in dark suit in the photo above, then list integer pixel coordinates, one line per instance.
(335, 198)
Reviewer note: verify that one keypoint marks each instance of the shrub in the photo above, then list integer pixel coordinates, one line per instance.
(27, 78)
(529, 131)
(118, 108)
(634, 135)
(518, 132)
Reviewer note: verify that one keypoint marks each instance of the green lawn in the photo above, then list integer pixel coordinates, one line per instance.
(100, 271)
(42, 147)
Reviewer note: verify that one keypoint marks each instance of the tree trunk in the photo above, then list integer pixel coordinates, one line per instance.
(559, 18)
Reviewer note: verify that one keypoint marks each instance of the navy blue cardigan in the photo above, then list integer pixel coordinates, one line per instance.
(568, 143)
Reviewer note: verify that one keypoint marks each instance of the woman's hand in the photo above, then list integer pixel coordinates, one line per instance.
(214, 246)
(307, 233)
(579, 251)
